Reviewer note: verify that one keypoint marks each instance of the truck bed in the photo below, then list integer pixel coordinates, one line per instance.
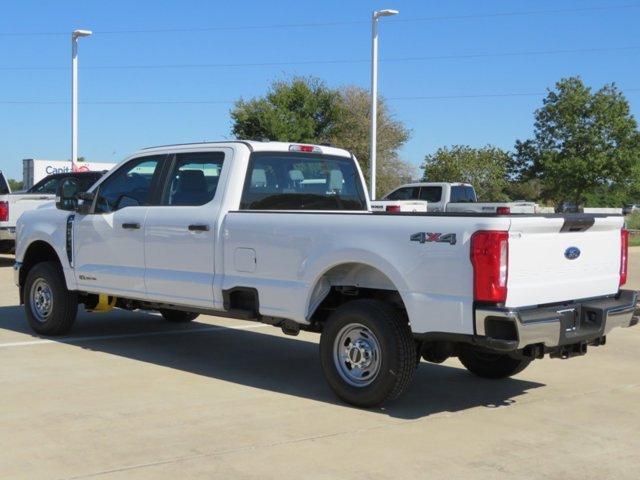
(425, 256)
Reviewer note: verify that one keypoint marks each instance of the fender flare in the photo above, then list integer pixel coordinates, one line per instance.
(316, 268)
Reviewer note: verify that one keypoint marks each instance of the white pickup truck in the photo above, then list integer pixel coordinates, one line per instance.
(444, 197)
(13, 205)
(282, 233)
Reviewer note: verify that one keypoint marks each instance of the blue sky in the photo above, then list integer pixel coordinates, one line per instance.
(425, 28)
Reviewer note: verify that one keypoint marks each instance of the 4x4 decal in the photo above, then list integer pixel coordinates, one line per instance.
(427, 237)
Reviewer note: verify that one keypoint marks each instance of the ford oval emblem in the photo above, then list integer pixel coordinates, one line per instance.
(572, 253)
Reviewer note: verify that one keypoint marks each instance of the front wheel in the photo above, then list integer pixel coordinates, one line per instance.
(489, 364)
(51, 309)
(367, 352)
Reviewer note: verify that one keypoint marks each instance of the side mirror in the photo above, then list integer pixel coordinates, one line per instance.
(86, 207)
(67, 194)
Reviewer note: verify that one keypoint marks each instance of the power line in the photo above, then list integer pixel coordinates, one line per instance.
(334, 24)
(214, 102)
(335, 61)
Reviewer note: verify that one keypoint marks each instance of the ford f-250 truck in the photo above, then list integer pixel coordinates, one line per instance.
(282, 233)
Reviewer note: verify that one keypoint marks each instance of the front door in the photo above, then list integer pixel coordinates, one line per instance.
(180, 233)
(109, 242)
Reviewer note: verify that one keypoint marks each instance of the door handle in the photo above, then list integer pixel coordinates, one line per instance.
(198, 228)
(131, 226)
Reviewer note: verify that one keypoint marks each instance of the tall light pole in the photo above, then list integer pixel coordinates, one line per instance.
(74, 93)
(374, 93)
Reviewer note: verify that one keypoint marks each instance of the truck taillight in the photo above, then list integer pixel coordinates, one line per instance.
(489, 257)
(503, 210)
(4, 211)
(624, 255)
(393, 208)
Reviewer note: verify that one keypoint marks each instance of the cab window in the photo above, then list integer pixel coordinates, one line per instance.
(130, 186)
(46, 186)
(431, 194)
(404, 193)
(194, 179)
(463, 194)
(292, 181)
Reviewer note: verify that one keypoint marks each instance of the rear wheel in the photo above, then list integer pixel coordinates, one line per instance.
(367, 352)
(177, 316)
(51, 309)
(491, 365)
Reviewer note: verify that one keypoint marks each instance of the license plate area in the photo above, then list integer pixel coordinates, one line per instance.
(579, 323)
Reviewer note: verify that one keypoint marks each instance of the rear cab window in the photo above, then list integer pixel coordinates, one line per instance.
(463, 194)
(302, 181)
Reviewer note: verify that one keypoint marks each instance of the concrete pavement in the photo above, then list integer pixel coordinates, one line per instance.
(128, 396)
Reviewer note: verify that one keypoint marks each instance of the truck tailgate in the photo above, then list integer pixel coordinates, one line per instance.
(556, 259)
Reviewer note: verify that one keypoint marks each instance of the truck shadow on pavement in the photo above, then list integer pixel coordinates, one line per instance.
(259, 359)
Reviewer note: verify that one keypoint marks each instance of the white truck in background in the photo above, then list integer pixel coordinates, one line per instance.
(36, 169)
(444, 197)
(13, 205)
(282, 234)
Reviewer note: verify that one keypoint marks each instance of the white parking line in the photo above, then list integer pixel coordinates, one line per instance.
(46, 341)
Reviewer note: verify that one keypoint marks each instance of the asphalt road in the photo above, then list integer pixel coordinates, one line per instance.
(128, 396)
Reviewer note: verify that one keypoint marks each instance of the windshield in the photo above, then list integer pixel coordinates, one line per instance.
(49, 185)
(300, 181)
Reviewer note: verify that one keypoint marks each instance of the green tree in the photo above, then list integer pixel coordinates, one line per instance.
(584, 144)
(306, 110)
(302, 110)
(15, 185)
(485, 168)
(352, 132)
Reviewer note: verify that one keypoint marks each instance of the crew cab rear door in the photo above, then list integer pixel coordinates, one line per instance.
(555, 258)
(180, 233)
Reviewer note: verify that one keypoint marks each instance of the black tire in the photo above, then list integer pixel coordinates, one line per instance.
(397, 352)
(176, 316)
(491, 365)
(46, 280)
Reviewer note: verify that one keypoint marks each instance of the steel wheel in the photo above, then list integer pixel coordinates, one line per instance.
(41, 299)
(357, 355)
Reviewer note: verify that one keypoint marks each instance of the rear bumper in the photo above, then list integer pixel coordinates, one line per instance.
(556, 326)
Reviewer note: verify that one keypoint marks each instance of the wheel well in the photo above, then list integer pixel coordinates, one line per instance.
(347, 282)
(36, 253)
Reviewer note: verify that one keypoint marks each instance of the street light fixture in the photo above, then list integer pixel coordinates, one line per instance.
(74, 93)
(374, 93)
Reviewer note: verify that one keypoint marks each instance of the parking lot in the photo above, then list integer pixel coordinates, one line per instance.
(131, 396)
